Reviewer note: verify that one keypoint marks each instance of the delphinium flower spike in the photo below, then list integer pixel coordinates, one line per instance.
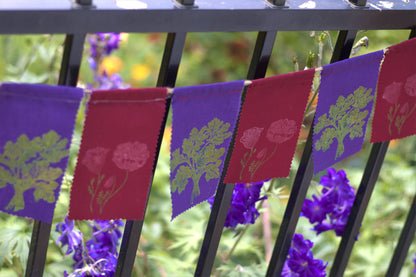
(243, 204)
(331, 209)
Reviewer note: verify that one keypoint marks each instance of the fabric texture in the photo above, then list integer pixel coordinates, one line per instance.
(269, 127)
(345, 102)
(204, 119)
(116, 158)
(396, 94)
(37, 123)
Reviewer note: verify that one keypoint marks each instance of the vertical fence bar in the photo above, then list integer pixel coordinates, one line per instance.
(257, 69)
(374, 163)
(406, 238)
(368, 181)
(167, 77)
(71, 62)
(303, 177)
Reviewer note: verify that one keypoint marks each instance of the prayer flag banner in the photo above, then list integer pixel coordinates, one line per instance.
(345, 102)
(115, 161)
(204, 119)
(396, 94)
(37, 122)
(269, 126)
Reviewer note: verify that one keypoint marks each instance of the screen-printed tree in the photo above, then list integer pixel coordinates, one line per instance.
(27, 164)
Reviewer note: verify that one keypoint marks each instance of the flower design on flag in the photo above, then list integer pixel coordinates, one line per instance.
(128, 156)
(278, 132)
(199, 156)
(94, 159)
(29, 164)
(281, 130)
(131, 156)
(398, 114)
(345, 117)
(251, 137)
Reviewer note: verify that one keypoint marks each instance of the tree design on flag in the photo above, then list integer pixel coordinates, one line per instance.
(129, 156)
(199, 156)
(27, 164)
(391, 94)
(278, 132)
(345, 117)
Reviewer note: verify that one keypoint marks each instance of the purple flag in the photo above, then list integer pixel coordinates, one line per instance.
(37, 122)
(204, 119)
(346, 96)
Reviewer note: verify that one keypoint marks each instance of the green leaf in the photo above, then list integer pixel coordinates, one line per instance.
(5, 177)
(14, 243)
(212, 171)
(323, 122)
(181, 178)
(53, 148)
(326, 139)
(217, 131)
(362, 97)
(45, 184)
(177, 159)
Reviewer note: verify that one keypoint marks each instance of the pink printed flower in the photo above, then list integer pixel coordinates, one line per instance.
(392, 92)
(281, 130)
(94, 159)
(131, 156)
(251, 137)
(110, 182)
(410, 86)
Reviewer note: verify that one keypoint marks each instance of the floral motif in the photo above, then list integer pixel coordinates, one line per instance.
(278, 132)
(281, 130)
(128, 156)
(251, 137)
(94, 159)
(410, 86)
(131, 156)
(397, 115)
(392, 92)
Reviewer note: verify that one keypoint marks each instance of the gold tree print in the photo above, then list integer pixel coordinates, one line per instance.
(199, 156)
(343, 118)
(28, 164)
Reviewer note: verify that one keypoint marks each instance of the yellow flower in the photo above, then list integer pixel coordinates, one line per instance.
(111, 65)
(140, 72)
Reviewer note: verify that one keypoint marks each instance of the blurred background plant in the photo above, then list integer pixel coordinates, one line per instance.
(172, 248)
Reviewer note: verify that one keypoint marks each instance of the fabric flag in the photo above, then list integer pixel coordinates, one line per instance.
(345, 102)
(396, 94)
(37, 122)
(115, 161)
(204, 119)
(269, 127)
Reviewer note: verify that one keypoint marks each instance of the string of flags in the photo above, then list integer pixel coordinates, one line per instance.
(233, 132)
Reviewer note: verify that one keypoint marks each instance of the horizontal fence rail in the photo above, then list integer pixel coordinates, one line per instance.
(19, 17)
(266, 17)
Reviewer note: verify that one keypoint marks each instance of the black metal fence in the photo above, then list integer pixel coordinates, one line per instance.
(177, 19)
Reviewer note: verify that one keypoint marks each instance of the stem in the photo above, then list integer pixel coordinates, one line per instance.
(111, 195)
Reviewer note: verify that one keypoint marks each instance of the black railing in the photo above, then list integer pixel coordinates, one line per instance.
(177, 19)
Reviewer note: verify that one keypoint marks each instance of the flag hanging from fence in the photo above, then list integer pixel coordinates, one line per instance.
(37, 122)
(345, 102)
(204, 119)
(116, 158)
(396, 96)
(269, 126)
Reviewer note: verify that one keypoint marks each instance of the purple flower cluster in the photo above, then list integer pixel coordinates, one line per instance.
(331, 209)
(243, 204)
(97, 256)
(414, 260)
(300, 262)
(103, 44)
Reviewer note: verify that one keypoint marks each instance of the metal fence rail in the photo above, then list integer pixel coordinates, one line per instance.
(177, 19)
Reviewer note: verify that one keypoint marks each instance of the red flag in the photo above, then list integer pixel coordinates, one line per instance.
(269, 126)
(117, 153)
(396, 94)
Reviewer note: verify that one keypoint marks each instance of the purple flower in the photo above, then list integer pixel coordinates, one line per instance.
(69, 236)
(331, 209)
(98, 257)
(243, 204)
(414, 260)
(103, 43)
(300, 261)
